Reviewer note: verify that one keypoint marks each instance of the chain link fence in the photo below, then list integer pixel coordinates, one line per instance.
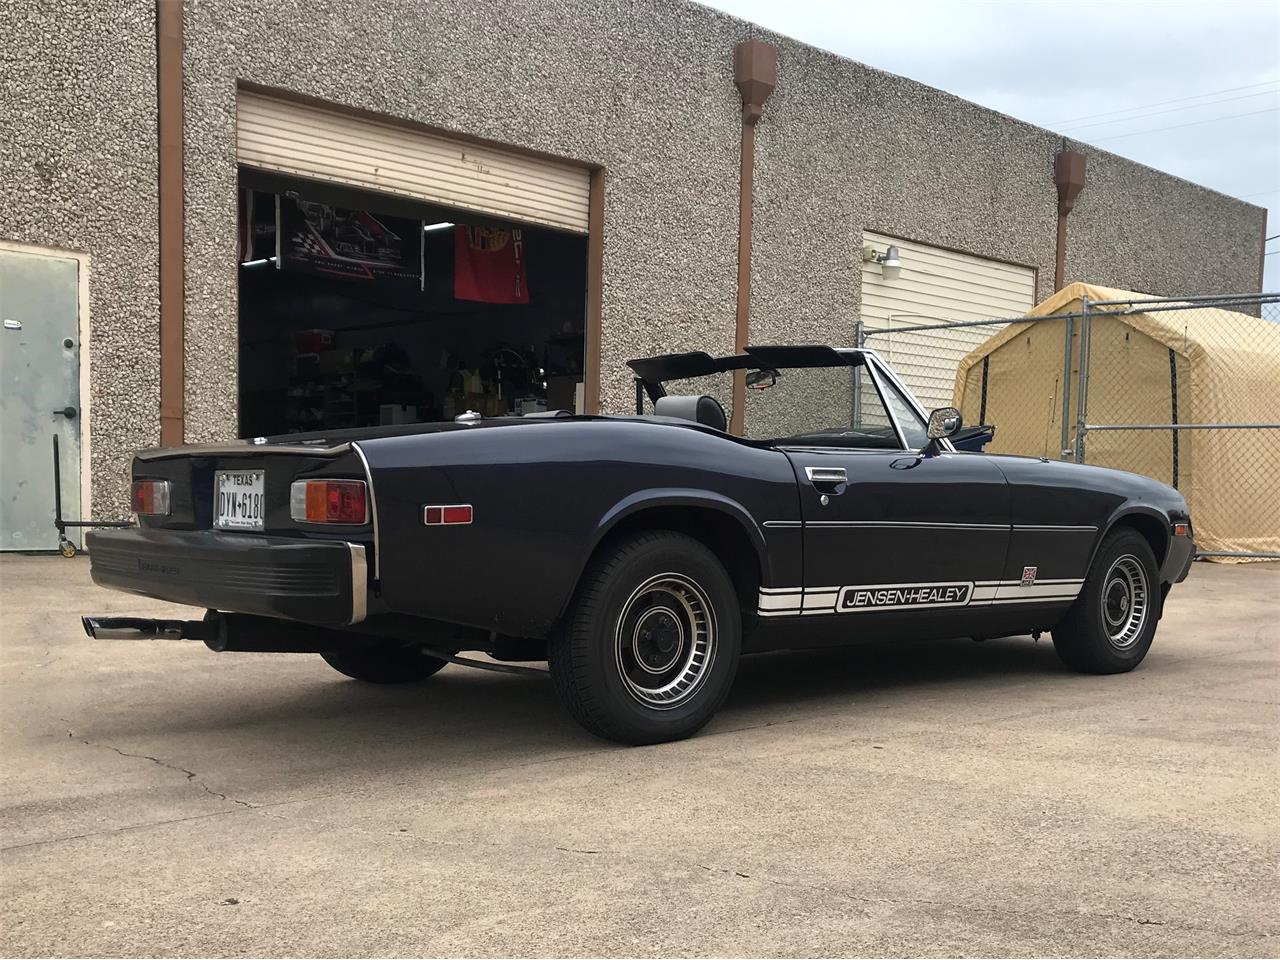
(1184, 390)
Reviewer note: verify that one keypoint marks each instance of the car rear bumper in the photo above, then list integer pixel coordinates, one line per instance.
(316, 581)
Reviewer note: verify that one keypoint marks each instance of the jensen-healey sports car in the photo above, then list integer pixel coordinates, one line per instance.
(640, 556)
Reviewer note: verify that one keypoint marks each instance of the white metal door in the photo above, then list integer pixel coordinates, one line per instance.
(937, 285)
(323, 144)
(40, 396)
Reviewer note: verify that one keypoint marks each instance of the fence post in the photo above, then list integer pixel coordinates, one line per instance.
(859, 335)
(1069, 327)
(1082, 391)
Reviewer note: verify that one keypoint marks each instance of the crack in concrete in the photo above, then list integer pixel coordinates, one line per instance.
(190, 775)
(113, 830)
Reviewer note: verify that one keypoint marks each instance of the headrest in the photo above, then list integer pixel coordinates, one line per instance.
(705, 410)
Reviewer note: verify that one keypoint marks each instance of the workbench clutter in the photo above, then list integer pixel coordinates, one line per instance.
(509, 380)
(334, 386)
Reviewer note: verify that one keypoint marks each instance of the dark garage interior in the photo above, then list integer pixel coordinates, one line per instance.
(355, 311)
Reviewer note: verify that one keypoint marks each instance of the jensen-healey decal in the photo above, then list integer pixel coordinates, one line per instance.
(896, 596)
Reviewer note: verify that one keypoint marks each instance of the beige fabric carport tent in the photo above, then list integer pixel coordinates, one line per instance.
(1200, 365)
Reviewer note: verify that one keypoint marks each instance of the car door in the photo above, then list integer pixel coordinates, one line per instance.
(887, 530)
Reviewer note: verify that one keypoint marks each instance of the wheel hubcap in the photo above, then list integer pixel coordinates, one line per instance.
(1125, 601)
(665, 641)
(657, 640)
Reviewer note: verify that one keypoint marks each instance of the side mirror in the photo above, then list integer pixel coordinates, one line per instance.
(943, 422)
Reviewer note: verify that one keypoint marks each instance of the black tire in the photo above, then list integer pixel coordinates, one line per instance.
(1102, 633)
(384, 664)
(672, 597)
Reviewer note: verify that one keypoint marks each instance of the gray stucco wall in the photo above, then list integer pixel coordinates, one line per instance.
(1140, 229)
(646, 90)
(643, 88)
(844, 148)
(78, 172)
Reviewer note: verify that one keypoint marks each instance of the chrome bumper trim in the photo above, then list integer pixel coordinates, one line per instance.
(359, 583)
(373, 510)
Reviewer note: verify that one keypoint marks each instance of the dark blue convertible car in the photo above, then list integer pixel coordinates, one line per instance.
(656, 548)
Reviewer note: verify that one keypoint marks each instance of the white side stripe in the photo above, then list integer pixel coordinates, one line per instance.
(797, 601)
(779, 602)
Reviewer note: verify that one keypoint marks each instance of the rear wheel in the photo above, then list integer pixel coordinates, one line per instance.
(384, 664)
(1110, 627)
(650, 646)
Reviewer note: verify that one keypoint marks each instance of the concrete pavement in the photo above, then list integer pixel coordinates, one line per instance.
(941, 798)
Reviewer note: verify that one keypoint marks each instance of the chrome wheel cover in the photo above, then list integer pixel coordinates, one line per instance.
(1125, 601)
(665, 641)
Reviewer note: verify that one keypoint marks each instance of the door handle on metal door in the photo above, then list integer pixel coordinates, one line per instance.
(68, 412)
(826, 476)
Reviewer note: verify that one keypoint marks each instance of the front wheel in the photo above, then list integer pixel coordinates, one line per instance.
(650, 646)
(1113, 621)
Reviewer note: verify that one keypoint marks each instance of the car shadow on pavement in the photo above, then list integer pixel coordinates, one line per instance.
(316, 708)
(839, 673)
(264, 729)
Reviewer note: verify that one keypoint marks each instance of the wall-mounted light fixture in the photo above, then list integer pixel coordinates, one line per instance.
(890, 261)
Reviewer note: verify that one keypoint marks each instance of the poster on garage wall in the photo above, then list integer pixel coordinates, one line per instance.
(324, 239)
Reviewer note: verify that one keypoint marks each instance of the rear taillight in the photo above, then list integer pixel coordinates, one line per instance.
(150, 498)
(328, 501)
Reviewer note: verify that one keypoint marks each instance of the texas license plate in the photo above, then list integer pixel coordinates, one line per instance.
(239, 504)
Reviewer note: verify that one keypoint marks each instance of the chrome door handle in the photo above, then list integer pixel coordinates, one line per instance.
(827, 475)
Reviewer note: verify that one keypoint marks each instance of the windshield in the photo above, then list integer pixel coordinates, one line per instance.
(823, 406)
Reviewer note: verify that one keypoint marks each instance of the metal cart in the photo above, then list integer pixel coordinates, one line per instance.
(66, 546)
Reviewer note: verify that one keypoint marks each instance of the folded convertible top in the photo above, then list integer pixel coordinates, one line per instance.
(699, 363)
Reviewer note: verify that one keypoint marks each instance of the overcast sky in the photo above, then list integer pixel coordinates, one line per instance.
(1061, 64)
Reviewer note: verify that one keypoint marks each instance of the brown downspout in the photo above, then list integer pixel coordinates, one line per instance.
(169, 122)
(595, 292)
(755, 71)
(1068, 176)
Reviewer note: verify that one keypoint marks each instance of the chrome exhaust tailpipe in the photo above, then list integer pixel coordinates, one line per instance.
(141, 628)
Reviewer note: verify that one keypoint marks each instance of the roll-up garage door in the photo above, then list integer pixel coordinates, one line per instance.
(320, 144)
(937, 285)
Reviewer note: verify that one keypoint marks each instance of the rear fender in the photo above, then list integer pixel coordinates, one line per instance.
(653, 500)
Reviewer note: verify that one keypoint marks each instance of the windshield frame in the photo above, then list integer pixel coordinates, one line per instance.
(653, 372)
